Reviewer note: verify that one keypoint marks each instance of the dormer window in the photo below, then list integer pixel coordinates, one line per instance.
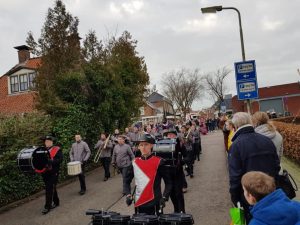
(22, 82)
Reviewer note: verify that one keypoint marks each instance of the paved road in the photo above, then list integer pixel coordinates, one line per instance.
(207, 198)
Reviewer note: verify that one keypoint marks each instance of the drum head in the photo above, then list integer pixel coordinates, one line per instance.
(74, 163)
(24, 160)
(40, 158)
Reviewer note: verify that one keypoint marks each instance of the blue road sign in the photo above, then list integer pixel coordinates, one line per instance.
(246, 82)
(245, 70)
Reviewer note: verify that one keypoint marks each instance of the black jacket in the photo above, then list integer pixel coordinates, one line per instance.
(55, 163)
(250, 151)
(162, 173)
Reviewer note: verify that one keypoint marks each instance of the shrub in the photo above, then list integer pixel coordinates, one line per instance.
(17, 132)
(291, 139)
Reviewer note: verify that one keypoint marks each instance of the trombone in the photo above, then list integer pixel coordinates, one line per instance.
(98, 153)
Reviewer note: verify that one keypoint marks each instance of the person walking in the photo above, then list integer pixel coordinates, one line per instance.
(176, 171)
(263, 126)
(122, 158)
(105, 145)
(81, 152)
(50, 174)
(249, 151)
(148, 173)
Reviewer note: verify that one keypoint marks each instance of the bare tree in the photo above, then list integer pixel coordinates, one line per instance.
(215, 84)
(183, 87)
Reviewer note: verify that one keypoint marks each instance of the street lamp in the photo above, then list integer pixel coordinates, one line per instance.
(214, 9)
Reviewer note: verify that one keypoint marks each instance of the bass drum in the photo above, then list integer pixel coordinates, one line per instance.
(30, 159)
(176, 219)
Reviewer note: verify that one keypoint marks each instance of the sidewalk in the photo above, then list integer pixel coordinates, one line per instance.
(207, 198)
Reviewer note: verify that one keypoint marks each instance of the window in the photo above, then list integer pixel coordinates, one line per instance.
(14, 84)
(31, 77)
(23, 82)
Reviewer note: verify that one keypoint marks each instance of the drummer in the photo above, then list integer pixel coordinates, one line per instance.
(50, 174)
(148, 172)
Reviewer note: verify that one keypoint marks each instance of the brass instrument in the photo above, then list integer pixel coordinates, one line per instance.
(188, 134)
(98, 153)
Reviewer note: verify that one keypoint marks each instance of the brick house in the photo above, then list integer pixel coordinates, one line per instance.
(162, 103)
(16, 95)
(155, 108)
(283, 99)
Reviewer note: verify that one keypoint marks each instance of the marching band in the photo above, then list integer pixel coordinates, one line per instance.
(150, 156)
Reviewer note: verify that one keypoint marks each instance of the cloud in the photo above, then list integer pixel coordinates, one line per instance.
(271, 25)
(196, 25)
(128, 7)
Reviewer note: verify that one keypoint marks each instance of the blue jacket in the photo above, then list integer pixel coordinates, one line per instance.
(250, 151)
(276, 209)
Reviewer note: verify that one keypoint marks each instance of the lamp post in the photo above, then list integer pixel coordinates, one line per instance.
(214, 9)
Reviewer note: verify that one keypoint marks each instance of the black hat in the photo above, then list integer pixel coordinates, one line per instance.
(146, 138)
(173, 131)
(49, 137)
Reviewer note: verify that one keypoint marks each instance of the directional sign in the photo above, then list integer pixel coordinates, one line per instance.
(246, 83)
(245, 70)
(223, 107)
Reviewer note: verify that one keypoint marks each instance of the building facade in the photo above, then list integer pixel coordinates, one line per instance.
(283, 99)
(16, 86)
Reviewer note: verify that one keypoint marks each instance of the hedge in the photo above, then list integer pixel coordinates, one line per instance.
(17, 132)
(291, 139)
(288, 119)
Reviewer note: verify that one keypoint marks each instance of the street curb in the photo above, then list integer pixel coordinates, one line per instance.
(40, 193)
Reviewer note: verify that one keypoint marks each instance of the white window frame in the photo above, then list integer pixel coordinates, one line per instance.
(24, 82)
(16, 78)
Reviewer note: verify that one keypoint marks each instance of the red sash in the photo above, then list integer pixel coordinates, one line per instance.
(53, 151)
(144, 173)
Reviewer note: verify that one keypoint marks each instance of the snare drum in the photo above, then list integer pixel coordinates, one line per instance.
(103, 218)
(74, 168)
(166, 149)
(30, 159)
(142, 219)
(119, 220)
(176, 219)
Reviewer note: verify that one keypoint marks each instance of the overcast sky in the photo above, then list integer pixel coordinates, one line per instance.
(173, 34)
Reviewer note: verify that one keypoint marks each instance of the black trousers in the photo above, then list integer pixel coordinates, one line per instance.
(50, 181)
(196, 148)
(177, 196)
(149, 210)
(105, 161)
(127, 175)
(190, 162)
(81, 178)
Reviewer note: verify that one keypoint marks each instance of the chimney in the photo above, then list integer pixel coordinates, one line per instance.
(23, 52)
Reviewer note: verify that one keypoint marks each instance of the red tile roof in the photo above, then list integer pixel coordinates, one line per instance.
(32, 63)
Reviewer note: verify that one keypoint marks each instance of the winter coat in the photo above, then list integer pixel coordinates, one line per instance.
(105, 153)
(80, 151)
(275, 209)
(122, 155)
(275, 136)
(250, 151)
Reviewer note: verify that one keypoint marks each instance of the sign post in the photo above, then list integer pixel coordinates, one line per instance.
(246, 81)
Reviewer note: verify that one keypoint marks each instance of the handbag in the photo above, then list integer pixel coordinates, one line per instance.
(237, 215)
(287, 183)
